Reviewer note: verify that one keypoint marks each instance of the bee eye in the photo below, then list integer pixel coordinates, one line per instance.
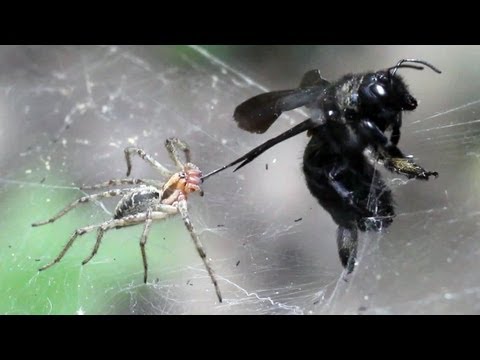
(379, 90)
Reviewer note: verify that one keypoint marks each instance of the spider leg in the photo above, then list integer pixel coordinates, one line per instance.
(82, 200)
(100, 233)
(118, 223)
(167, 209)
(76, 233)
(129, 151)
(118, 182)
(102, 228)
(182, 207)
(171, 144)
(143, 241)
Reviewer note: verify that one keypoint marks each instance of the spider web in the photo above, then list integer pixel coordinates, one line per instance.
(67, 112)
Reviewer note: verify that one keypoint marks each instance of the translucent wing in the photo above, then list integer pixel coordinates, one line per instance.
(257, 114)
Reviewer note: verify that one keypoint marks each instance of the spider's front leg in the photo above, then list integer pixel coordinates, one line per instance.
(182, 208)
(130, 151)
(171, 144)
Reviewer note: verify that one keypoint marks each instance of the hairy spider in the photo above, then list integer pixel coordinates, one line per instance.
(152, 200)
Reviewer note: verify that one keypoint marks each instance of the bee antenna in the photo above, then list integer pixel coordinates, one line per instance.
(401, 63)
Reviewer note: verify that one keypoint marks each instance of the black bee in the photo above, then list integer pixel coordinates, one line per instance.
(348, 117)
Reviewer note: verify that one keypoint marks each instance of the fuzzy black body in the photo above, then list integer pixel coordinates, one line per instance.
(337, 171)
(345, 182)
(137, 202)
(347, 186)
(347, 117)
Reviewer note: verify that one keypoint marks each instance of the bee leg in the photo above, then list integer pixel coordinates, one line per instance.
(395, 136)
(371, 133)
(394, 158)
(346, 195)
(408, 167)
(347, 240)
(337, 171)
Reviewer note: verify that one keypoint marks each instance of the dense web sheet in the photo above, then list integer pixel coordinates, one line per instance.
(66, 113)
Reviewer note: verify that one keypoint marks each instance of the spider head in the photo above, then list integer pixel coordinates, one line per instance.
(183, 182)
(192, 177)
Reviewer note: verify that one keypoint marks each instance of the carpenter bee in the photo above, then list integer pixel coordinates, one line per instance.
(347, 117)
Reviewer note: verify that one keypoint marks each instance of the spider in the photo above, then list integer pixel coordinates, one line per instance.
(151, 200)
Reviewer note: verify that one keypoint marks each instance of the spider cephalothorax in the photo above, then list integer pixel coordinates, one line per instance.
(148, 201)
(181, 184)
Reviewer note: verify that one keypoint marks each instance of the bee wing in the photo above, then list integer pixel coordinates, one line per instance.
(252, 154)
(260, 112)
(257, 114)
(313, 78)
(248, 157)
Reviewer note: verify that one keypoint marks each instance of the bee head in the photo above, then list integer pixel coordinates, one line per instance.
(384, 90)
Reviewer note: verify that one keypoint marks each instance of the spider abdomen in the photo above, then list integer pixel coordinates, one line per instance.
(137, 201)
